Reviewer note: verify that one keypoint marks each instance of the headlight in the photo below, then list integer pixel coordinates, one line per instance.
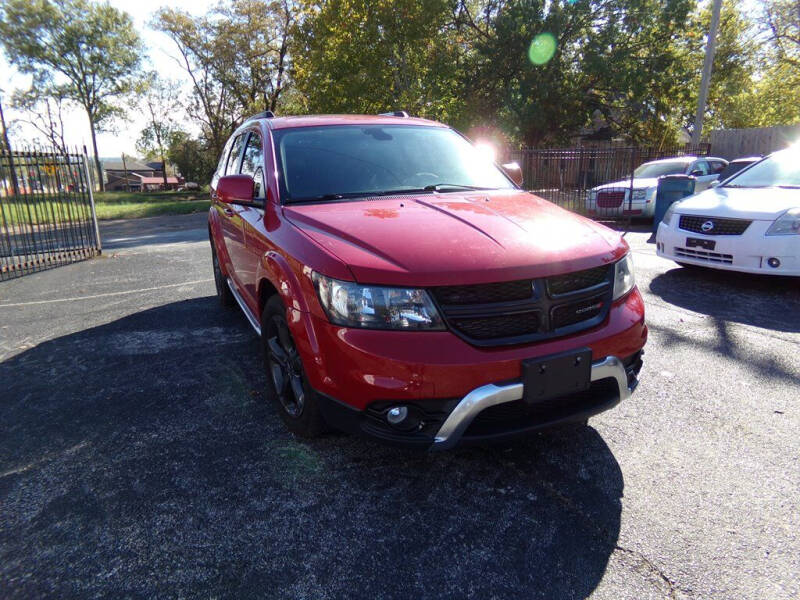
(639, 194)
(593, 195)
(376, 307)
(623, 276)
(668, 215)
(787, 224)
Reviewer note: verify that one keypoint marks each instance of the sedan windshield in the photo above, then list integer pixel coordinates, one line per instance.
(781, 169)
(660, 169)
(335, 162)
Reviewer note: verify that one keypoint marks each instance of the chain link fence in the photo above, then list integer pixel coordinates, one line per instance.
(47, 214)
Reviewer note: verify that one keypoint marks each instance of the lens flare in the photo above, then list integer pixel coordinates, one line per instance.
(542, 49)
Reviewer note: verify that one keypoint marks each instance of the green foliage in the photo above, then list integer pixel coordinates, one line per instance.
(194, 160)
(236, 58)
(80, 50)
(159, 100)
(372, 56)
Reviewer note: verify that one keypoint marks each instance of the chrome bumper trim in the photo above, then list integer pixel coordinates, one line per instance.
(491, 394)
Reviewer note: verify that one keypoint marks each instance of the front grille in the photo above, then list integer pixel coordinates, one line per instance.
(704, 255)
(526, 310)
(484, 293)
(610, 199)
(487, 328)
(579, 280)
(718, 226)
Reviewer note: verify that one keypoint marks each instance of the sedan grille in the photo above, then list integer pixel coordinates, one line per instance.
(526, 310)
(610, 198)
(715, 257)
(713, 225)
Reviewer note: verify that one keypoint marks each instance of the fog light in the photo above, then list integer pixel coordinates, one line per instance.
(774, 262)
(397, 415)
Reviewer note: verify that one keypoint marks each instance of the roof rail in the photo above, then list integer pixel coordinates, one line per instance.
(395, 113)
(267, 114)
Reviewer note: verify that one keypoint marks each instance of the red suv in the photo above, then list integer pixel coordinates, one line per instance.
(405, 287)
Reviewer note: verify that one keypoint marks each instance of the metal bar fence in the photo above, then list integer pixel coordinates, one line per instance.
(570, 177)
(51, 220)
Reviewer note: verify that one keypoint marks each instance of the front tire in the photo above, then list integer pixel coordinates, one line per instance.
(296, 401)
(224, 294)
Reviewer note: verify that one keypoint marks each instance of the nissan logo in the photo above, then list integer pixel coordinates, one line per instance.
(707, 226)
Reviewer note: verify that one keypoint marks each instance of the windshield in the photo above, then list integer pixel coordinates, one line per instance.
(333, 162)
(660, 169)
(782, 169)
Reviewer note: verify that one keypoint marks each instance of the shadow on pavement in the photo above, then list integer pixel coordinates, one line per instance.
(758, 300)
(143, 458)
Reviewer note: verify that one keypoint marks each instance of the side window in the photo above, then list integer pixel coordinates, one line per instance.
(223, 158)
(233, 161)
(253, 163)
(701, 166)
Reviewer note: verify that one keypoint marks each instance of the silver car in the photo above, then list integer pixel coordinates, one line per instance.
(614, 199)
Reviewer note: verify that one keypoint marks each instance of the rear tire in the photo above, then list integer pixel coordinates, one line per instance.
(295, 400)
(224, 294)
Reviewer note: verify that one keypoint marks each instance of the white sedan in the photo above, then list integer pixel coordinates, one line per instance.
(637, 197)
(750, 222)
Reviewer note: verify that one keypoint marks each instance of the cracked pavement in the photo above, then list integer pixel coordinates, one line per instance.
(141, 457)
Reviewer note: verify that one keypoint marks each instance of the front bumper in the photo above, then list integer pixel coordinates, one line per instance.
(748, 253)
(492, 412)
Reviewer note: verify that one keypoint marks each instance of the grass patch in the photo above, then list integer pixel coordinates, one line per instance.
(109, 205)
(137, 210)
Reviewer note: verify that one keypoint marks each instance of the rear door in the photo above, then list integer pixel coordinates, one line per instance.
(230, 217)
(702, 171)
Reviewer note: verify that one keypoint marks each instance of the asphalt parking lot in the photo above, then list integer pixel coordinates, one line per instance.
(140, 456)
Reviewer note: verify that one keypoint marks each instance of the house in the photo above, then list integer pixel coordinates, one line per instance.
(141, 176)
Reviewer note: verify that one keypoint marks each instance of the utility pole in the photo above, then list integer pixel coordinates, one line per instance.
(708, 64)
(125, 168)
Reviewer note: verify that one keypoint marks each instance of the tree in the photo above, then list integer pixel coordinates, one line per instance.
(730, 99)
(236, 58)
(45, 114)
(159, 99)
(80, 50)
(371, 56)
(192, 158)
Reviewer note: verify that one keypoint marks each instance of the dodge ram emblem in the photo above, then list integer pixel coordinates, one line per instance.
(707, 226)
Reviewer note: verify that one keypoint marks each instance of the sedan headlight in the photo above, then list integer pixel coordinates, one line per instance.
(623, 276)
(667, 218)
(787, 224)
(376, 307)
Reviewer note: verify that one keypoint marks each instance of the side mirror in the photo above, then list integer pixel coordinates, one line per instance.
(514, 171)
(696, 173)
(236, 189)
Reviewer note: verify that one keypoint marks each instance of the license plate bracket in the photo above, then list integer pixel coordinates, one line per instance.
(556, 375)
(700, 243)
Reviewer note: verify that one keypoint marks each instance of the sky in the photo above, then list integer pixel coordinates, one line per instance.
(161, 52)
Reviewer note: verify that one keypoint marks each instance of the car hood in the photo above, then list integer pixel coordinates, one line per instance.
(741, 203)
(444, 239)
(638, 184)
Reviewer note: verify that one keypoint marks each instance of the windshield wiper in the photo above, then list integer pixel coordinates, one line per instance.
(435, 187)
(789, 187)
(323, 197)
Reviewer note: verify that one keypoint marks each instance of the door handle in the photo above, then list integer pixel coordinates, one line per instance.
(228, 211)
